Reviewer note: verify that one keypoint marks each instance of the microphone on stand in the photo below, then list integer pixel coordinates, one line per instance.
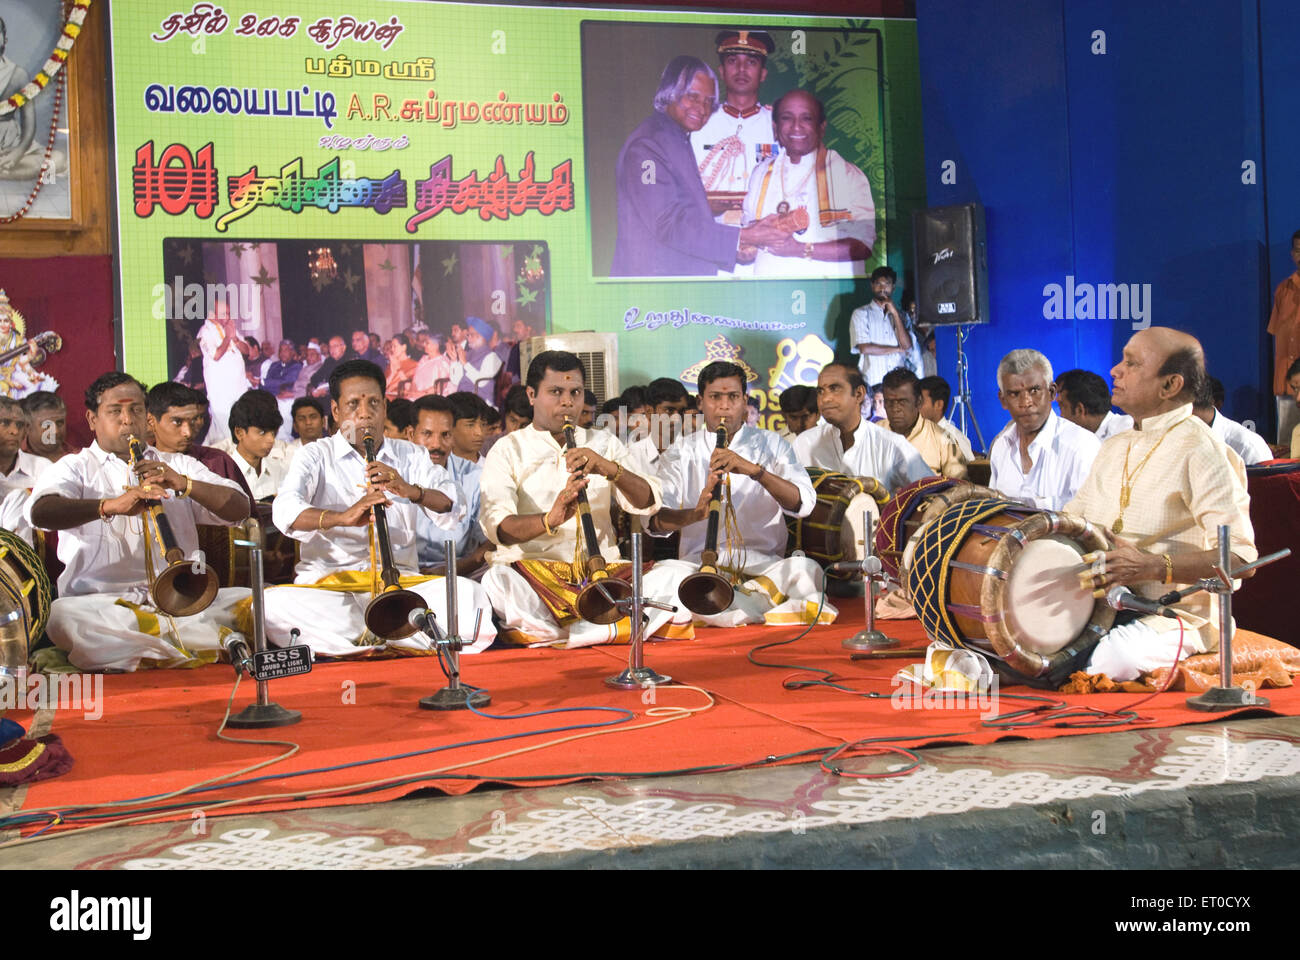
(1122, 598)
(424, 620)
(236, 647)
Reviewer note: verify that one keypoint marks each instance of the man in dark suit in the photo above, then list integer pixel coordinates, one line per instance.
(665, 225)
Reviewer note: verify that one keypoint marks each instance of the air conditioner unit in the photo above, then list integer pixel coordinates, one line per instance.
(597, 351)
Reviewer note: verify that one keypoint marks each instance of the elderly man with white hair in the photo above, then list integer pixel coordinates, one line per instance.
(1040, 457)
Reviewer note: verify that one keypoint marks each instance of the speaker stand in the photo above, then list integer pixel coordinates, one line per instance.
(962, 405)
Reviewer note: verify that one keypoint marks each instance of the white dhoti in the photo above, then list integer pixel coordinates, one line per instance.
(332, 621)
(526, 619)
(775, 592)
(99, 633)
(1128, 651)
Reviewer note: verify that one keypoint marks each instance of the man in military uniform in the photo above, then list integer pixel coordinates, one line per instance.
(739, 135)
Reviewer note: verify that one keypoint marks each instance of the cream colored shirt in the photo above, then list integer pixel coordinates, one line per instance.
(936, 448)
(523, 473)
(1191, 484)
(108, 556)
(26, 471)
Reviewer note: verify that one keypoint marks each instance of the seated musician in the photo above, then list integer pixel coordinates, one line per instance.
(1040, 458)
(767, 484)
(1169, 478)
(176, 415)
(308, 425)
(848, 444)
(529, 510)
(666, 401)
(326, 503)
(18, 468)
(103, 619)
(432, 418)
(47, 425)
(902, 399)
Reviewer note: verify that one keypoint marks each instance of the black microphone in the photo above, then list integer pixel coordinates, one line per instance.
(1122, 598)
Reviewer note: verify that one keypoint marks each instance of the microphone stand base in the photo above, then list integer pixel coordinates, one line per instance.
(637, 678)
(257, 716)
(462, 698)
(1225, 698)
(869, 640)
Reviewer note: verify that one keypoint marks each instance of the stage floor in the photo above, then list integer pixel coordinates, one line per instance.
(1184, 790)
(1215, 795)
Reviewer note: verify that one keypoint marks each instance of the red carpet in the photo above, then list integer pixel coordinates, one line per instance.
(157, 732)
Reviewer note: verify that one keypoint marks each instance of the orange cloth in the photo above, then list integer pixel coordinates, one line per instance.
(398, 372)
(1284, 324)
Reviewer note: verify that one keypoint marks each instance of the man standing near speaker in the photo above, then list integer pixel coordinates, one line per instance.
(880, 337)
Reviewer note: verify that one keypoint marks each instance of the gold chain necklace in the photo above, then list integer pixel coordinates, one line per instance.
(1126, 483)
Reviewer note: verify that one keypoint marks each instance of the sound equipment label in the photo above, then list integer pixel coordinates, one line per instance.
(285, 662)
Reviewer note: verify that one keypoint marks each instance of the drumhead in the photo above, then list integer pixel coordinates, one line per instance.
(1046, 607)
(853, 532)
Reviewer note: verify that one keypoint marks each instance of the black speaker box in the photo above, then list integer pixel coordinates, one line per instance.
(952, 274)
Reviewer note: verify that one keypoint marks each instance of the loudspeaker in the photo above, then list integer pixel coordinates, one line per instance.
(952, 273)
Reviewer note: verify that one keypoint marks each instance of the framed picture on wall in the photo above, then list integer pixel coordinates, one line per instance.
(28, 34)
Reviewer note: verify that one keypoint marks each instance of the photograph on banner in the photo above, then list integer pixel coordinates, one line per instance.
(436, 316)
(28, 33)
(732, 152)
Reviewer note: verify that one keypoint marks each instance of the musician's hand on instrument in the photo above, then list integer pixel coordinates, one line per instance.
(132, 501)
(156, 474)
(585, 461)
(1127, 565)
(566, 501)
(701, 511)
(358, 515)
(381, 476)
(728, 461)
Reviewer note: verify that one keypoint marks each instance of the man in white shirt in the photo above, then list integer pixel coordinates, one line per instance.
(529, 509)
(1250, 446)
(103, 618)
(848, 444)
(1084, 399)
(935, 394)
(18, 468)
(879, 335)
(224, 376)
(308, 425)
(833, 193)
(327, 502)
(1040, 458)
(254, 422)
(765, 484)
(432, 419)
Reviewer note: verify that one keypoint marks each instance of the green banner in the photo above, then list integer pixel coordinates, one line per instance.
(399, 166)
